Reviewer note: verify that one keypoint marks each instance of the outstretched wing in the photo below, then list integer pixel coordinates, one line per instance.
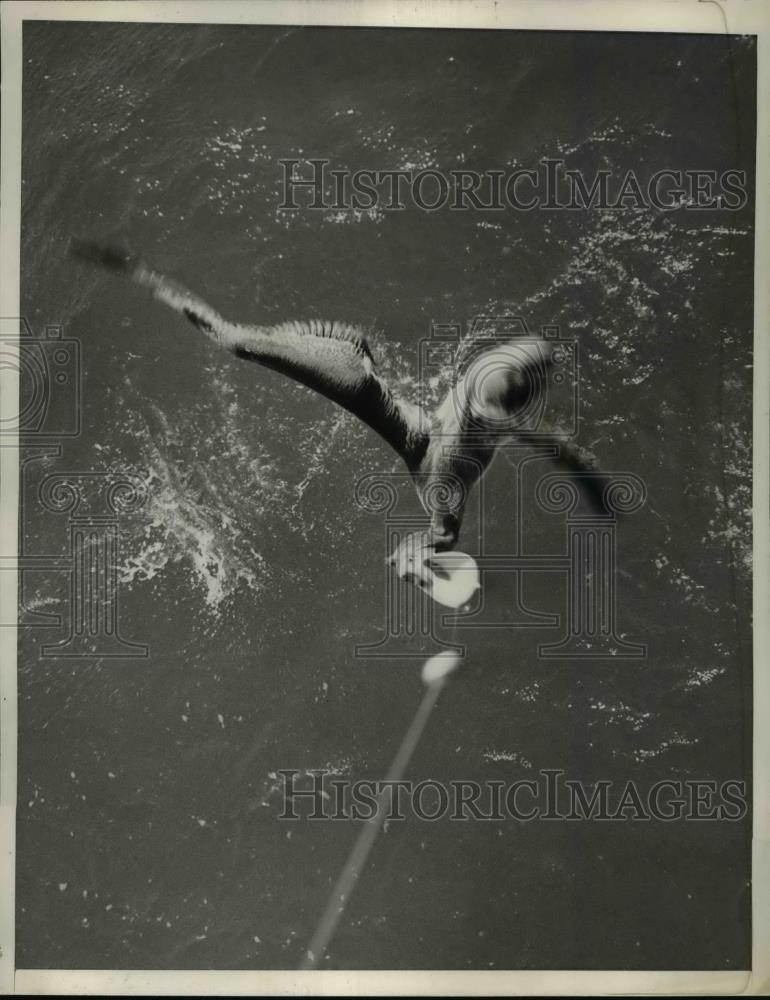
(332, 358)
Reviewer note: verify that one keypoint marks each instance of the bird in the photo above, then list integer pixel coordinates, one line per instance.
(445, 451)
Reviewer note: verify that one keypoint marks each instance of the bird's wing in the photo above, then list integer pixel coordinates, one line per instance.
(332, 358)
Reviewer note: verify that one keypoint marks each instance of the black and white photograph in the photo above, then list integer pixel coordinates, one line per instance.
(382, 491)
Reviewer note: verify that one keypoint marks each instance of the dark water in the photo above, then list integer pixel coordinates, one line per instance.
(147, 824)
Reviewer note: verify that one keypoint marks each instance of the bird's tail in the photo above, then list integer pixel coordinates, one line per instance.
(177, 297)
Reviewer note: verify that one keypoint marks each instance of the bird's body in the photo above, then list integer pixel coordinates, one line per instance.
(446, 452)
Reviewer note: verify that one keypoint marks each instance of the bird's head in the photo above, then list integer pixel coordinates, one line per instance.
(409, 558)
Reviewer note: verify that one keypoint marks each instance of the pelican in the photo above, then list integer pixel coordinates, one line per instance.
(446, 452)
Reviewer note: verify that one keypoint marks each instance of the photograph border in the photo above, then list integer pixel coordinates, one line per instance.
(680, 16)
